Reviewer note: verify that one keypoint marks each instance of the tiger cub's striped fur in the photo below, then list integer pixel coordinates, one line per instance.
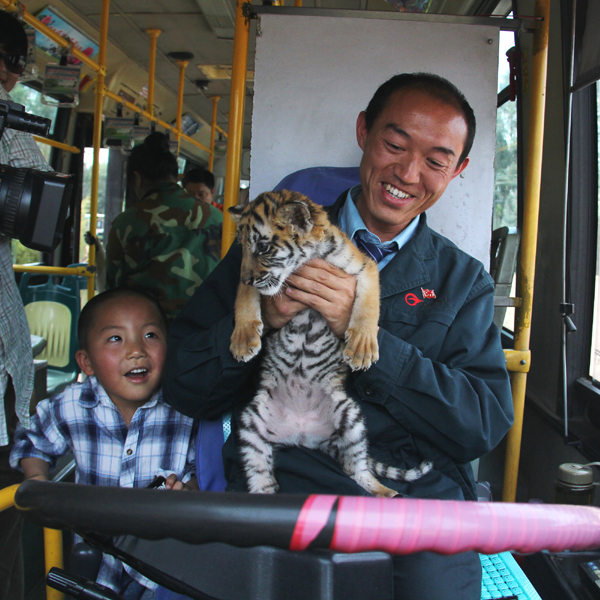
(301, 399)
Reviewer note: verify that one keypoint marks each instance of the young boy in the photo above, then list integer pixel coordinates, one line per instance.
(115, 423)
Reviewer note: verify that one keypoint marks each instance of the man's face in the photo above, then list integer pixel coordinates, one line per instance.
(200, 191)
(410, 156)
(7, 79)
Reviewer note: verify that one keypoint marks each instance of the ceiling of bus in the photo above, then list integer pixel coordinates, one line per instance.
(205, 29)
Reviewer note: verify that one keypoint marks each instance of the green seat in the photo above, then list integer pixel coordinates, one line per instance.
(52, 312)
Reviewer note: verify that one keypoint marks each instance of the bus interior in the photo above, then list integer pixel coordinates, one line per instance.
(240, 91)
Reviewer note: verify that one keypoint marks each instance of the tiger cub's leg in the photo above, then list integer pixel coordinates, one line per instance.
(349, 446)
(256, 449)
(246, 338)
(362, 348)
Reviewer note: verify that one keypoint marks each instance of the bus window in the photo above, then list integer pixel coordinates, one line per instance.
(505, 180)
(505, 164)
(595, 354)
(88, 159)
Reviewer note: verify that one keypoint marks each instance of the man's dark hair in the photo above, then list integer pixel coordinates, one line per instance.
(199, 175)
(90, 310)
(431, 84)
(13, 39)
(153, 159)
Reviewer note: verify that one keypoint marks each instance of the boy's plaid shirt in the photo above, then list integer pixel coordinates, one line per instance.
(83, 421)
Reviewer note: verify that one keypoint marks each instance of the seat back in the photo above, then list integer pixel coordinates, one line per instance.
(52, 311)
(322, 185)
(77, 283)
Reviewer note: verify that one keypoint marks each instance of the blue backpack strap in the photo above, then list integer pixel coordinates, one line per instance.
(209, 459)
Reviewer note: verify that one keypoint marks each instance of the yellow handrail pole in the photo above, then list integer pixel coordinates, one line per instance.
(153, 35)
(533, 177)
(182, 64)
(53, 546)
(213, 129)
(79, 271)
(97, 136)
(298, 3)
(56, 144)
(7, 496)
(53, 554)
(236, 122)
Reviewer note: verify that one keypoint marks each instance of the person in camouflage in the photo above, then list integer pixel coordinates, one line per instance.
(168, 242)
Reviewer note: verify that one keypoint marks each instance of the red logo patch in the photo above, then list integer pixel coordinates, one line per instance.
(428, 293)
(412, 300)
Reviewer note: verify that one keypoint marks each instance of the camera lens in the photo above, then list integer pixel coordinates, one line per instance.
(33, 206)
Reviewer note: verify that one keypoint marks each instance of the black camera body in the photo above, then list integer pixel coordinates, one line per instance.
(33, 204)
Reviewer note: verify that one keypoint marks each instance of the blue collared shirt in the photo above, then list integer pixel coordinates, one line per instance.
(350, 222)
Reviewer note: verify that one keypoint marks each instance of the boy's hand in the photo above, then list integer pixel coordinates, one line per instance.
(172, 483)
(35, 468)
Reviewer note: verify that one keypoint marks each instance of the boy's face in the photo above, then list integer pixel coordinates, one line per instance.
(126, 350)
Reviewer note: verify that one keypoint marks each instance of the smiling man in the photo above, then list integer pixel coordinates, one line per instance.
(440, 390)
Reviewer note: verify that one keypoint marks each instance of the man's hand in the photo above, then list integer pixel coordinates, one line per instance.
(172, 483)
(318, 285)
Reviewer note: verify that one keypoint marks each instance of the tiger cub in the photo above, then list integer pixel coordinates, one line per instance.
(301, 399)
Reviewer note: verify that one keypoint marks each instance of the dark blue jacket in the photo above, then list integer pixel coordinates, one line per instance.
(440, 390)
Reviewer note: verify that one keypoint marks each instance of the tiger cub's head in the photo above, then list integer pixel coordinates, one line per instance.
(279, 232)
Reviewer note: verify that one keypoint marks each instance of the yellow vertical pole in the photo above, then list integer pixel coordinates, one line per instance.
(213, 129)
(53, 553)
(182, 64)
(98, 134)
(526, 268)
(236, 122)
(153, 35)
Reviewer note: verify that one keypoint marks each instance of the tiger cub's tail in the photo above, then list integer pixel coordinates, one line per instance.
(395, 474)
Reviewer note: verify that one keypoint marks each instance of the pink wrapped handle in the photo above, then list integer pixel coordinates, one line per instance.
(402, 526)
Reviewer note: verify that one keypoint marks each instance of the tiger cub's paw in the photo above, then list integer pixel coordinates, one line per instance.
(362, 349)
(246, 340)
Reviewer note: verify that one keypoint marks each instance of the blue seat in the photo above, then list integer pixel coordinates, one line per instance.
(52, 311)
(322, 185)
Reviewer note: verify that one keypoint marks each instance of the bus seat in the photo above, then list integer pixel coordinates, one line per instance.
(503, 261)
(322, 185)
(52, 311)
(77, 282)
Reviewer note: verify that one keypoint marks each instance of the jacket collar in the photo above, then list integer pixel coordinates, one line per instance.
(408, 268)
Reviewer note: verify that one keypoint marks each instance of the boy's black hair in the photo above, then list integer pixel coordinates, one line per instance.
(434, 85)
(89, 311)
(199, 175)
(13, 39)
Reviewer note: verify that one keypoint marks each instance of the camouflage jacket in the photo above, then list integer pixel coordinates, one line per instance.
(167, 243)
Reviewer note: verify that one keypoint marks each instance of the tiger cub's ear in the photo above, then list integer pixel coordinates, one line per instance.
(236, 213)
(297, 214)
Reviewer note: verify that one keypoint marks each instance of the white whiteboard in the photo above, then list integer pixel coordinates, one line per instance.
(313, 75)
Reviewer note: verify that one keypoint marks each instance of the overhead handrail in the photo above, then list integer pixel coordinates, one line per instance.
(55, 144)
(153, 35)
(236, 119)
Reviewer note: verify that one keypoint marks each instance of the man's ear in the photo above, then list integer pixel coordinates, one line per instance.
(83, 360)
(361, 130)
(461, 167)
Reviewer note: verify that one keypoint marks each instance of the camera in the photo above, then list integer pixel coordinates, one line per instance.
(33, 204)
